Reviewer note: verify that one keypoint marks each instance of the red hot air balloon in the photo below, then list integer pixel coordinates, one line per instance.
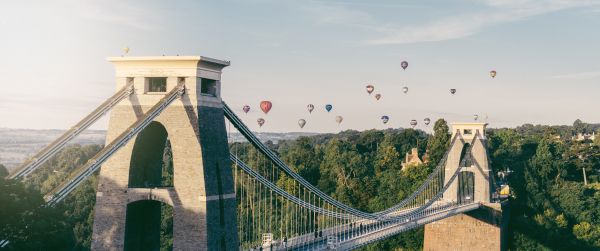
(265, 106)
(246, 108)
(370, 89)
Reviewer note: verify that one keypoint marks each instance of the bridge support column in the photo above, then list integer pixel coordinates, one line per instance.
(482, 229)
(202, 195)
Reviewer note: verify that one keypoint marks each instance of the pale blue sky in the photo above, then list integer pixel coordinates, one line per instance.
(292, 52)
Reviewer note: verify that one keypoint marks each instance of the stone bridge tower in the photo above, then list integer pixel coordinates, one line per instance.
(474, 175)
(139, 189)
(484, 228)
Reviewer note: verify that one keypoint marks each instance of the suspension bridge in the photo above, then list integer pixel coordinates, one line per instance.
(219, 200)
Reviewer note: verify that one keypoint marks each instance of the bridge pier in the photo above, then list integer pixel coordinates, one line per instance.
(481, 229)
(201, 191)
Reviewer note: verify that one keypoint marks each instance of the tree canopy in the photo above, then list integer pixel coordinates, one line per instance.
(551, 208)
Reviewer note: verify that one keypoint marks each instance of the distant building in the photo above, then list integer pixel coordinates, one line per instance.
(584, 136)
(412, 159)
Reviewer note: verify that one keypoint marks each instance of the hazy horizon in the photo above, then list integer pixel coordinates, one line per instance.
(426, 128)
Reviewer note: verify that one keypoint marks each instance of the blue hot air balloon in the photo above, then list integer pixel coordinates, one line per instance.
(328, 107)
(385, 119)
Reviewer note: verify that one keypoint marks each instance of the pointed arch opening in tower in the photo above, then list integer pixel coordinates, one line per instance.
(465, 156)
(466, 187)
(151, 159)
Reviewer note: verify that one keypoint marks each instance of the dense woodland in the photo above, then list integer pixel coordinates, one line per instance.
(551, 208)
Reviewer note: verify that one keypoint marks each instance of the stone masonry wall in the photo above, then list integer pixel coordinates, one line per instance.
(479, 230)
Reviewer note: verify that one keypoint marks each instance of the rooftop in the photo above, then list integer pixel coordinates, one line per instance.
(169, 58)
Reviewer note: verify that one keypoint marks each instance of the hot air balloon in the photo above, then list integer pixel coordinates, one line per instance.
(260, 122)
(246, 108)
(475, 117)
(413, 123)
(427, 121)
(385, 119)
(370, 89)
(328, 107)
(377, 96)
(452, 91)
(493, 74)
(301, 123)
(310, 108)
(404, 64)
(405, 89)
(265, 106)
(339, 119)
